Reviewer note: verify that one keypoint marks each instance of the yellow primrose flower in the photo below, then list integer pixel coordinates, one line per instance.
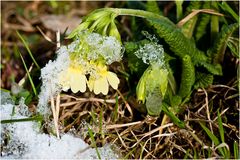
(100, 82)
(73, 78)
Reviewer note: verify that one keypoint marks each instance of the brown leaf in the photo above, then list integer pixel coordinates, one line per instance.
(61, 22)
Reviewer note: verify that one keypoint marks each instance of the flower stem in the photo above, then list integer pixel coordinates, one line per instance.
(138, 13)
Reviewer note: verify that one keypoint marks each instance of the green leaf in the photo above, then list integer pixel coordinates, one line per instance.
(178, 43)
(236, 150)
(203, 20)
(203, 80)
(220, 44)
(224, 6)
(187, 77)
(233, 44)
(152, 6)
(90, 132)
(179, 8)
(210, 134)
(212, 137)
(28, 49)
(28, 74)
(173, 117)
(214, 21)
(215, 69)
(135, 64)
(220, 125)
(35, 118)
(189, 26)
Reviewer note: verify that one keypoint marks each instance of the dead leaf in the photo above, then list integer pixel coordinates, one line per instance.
(61, 22)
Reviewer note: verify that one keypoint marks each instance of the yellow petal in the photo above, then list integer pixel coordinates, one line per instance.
(64, 80)
(77, 82)
(101, 85)
(113, 80)
(82, 83)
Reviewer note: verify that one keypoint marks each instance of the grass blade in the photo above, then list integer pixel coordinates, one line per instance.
(101, 123)
(210, 134)
(179, 8)
(115, 112)
(221, 130)
(35, 118)
(236, 150)
(28, 49)
(93, 141)
(29, 76)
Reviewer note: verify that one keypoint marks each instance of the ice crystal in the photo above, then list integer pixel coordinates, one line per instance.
(50, 77)
(95, 46)
(151, 53)
(16, 145)
(82, 55)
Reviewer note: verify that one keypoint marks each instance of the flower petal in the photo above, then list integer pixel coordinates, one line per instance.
(64, 80)
(77, 82)
(113, 80)
(101, 85)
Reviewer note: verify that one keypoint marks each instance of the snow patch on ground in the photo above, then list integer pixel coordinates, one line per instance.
(25, 141)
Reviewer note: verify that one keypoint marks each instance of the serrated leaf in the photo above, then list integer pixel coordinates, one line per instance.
(135, 64)
(203, 21)
(152, 6)
(187, 77)
(215, 69)
(203, 80)
(178, 43)
(220, 44)
(233, 44)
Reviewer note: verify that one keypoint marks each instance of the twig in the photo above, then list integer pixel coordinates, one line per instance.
(208, 113)
(194, 13)
(54, 117)
(127, 105)
(123, 125)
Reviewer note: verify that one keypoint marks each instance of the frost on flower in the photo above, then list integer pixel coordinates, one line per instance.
(87, 56)
(152, 52)
(94, 46)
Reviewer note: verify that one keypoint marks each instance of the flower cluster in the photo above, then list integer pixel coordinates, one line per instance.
(89, 55)
(81, 65)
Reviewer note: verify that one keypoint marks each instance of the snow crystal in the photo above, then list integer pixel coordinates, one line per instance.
(50, 78)
(95, 46)
(25, 141)
(151, 53)
(6, 97)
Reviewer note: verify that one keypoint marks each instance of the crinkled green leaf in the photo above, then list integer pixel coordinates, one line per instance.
(135, 64)
(178, 43)
(152, 6)
(220, 44)
(187, 77)
(203, 21)
(233, 44)
(203, 80)
(215, 69)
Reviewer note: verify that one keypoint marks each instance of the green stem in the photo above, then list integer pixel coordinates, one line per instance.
(137, 13)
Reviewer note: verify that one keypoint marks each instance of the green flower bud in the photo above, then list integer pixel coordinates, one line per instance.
(114, 31)
(152, 88)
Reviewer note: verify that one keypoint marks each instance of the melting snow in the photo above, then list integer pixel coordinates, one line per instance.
(25, 141)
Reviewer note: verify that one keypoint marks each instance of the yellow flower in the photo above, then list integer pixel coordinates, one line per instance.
(73, 78)
(100, 83)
